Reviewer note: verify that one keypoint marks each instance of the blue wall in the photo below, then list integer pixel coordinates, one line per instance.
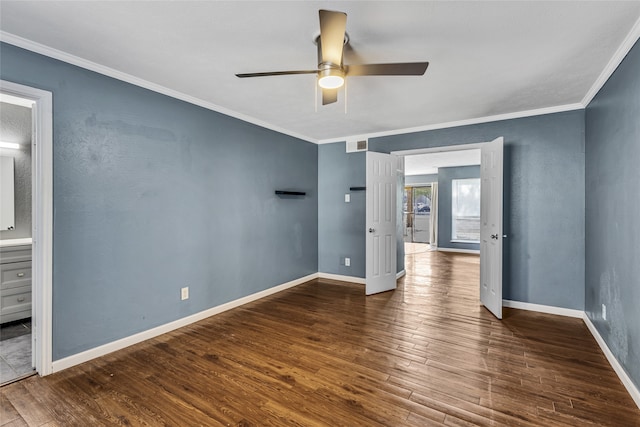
(341, 226)
(543, 202)
(613, 213)
(152, 194)
(445, 176)
(420, 179)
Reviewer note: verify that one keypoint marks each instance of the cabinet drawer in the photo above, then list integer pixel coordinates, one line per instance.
(15, 254)
(15, 275)
(14, 300)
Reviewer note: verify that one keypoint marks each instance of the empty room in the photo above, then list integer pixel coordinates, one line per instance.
(357, 213)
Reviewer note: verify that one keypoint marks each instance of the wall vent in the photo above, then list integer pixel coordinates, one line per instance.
(357, 145)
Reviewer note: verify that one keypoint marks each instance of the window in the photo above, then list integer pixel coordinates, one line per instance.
(465, 210)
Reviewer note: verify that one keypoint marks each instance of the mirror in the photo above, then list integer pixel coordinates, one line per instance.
(7, 209)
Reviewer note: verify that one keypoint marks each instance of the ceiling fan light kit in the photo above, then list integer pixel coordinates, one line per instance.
(331, 71)
(330, 78)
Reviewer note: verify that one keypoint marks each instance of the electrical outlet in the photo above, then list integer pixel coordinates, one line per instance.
(184, 293)
(347, 262)
(347, 198)
(604, 312)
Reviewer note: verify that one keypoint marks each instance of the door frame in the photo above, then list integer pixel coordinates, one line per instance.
(41, 219)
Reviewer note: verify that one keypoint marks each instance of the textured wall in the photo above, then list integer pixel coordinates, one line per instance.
(341, 226)
(613, 213)
(543, 201)
(15, 126)
(420, 179)
(445, 176)
(152, 194)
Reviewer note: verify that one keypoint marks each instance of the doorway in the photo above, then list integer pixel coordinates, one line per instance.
(416, 213)
(459, 223)
(432, 237)
(26, 239)
(15, 238)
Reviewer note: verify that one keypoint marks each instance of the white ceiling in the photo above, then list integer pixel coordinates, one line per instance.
(486, 58)
(428, 163)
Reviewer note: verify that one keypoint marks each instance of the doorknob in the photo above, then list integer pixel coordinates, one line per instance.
(371, 230)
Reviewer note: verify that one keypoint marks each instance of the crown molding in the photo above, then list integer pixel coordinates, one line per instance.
(50, 52)
(613, 63)
(466, 122)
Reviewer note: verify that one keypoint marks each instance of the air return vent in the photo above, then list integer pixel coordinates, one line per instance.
(357, 145)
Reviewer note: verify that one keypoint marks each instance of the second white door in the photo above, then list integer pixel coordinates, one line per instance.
(381, 223)
(491, 171)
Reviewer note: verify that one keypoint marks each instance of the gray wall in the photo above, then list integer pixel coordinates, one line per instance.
(445, 176)
(613, 212)
(544, 200)
(420, 179)
(341, 226)
(15, 126)
(152, 194)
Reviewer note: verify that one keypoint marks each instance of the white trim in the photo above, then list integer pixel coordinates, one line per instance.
(28, 103)
(613, 63)
(102, 350)
(341, 278)
(442, 149)
(466, 122)
(42, 218)
(617, 367)
(119, 75)
(352, 279)
(462, 251)
(550, 309)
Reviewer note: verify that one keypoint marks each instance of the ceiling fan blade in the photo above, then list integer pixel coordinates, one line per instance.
(276, 73)
(332, 28)
(400, 69)
(329, 96)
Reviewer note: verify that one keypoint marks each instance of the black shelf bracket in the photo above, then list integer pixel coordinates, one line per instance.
(290, 193)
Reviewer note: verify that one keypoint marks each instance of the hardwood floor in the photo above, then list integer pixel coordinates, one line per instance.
(324, 354)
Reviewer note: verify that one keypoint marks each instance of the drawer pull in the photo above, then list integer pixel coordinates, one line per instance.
(20, 274)
(20, 299)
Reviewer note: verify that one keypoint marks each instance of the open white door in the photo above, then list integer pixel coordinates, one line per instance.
(381, 223)
(491, 166)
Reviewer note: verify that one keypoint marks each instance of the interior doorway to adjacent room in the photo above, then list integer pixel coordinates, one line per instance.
(416, 213)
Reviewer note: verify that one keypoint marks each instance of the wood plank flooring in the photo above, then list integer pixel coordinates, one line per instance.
(324, 354)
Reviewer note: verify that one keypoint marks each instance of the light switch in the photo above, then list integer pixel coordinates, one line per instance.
(347, 198)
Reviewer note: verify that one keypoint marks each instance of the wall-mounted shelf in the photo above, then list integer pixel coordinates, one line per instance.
(357, 188)
(290, 193)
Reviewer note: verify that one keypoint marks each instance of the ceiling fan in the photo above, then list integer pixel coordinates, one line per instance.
(331, 70)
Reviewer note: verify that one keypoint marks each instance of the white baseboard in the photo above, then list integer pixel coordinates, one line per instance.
(543, 308)
(352, 279)
(102, 350)
(462, 251)
(341, 278)
(622, 374)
